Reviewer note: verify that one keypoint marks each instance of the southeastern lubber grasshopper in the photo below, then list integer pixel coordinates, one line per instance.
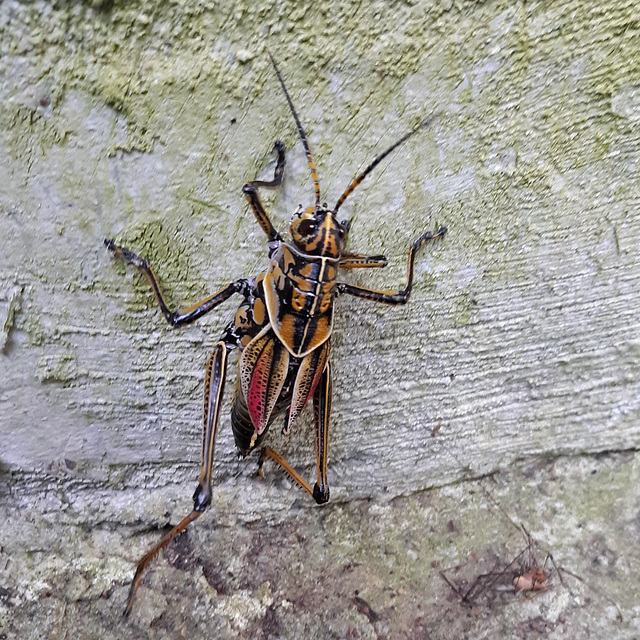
(282, 330)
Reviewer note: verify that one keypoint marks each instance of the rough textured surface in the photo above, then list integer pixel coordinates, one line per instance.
(142, 121)
(301, 575)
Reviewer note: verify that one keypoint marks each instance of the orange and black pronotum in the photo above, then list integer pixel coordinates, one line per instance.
(282, 330)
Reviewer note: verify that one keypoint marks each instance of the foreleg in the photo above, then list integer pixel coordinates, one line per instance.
(392, 297)
(250, 190)
(360, 261)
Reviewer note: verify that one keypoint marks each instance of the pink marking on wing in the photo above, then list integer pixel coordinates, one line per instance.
(257, 394)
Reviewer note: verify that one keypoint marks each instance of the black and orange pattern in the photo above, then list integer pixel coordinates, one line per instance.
(282, 330)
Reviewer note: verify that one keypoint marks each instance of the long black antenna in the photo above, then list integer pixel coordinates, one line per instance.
(303, 135)
(360, 177)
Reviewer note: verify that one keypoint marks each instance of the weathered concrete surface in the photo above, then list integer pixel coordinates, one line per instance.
(521, 339)
(298, 576)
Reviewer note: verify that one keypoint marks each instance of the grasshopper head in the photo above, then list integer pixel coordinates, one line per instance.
(316, 231)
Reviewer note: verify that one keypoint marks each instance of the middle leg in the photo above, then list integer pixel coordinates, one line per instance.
(185, 316)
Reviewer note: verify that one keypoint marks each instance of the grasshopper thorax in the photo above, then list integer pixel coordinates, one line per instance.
(316, 231)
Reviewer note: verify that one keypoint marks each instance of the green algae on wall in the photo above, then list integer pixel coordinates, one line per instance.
(142, 122)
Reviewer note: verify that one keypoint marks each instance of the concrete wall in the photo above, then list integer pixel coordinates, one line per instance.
(141, 121)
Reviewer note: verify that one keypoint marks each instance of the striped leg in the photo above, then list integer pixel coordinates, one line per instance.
(250, 190)
(213, 390)
(360, 261)
(185, 316)
(322, 410)
(392, 297)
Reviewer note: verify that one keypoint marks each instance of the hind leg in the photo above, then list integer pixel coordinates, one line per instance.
(213, 390)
